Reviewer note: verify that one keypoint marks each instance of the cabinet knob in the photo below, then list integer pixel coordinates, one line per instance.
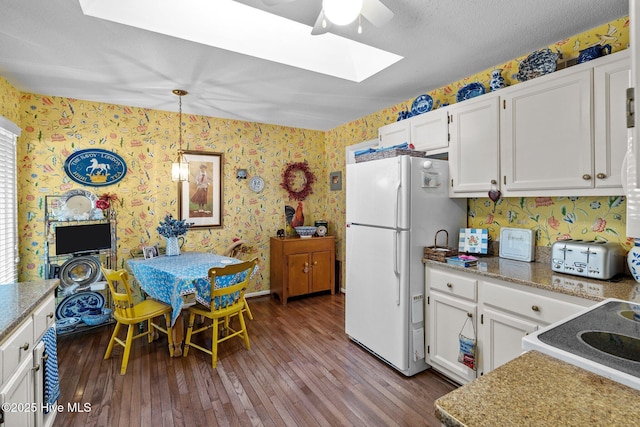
(36, 368)
(535, 308)
(493, 182)
(449, 285)
(25, 347)
(50, 315)
(586, 177)
(601, 175)
(315, 262)
(469, 314)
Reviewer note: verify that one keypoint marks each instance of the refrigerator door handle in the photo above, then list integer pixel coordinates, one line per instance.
(396, 271)
(397, 212)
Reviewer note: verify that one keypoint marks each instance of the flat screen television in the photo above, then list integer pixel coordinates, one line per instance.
(82, 239)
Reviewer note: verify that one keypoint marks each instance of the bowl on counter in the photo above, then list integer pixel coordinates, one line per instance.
(306, 231)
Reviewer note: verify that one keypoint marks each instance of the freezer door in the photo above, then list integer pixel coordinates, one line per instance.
(377, 191)
(377, 300)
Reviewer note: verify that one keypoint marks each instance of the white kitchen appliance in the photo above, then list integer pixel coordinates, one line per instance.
(395, 206)
(587, 258)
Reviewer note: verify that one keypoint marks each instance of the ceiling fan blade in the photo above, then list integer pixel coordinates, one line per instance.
(318, 28)
(275, 2)
(376, 12)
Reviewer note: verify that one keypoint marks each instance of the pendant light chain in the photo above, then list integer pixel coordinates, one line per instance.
(180, 168)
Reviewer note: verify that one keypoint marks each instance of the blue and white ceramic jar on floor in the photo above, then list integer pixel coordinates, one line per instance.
(497, 81)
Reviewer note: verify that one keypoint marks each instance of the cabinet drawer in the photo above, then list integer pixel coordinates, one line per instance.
(541, 308)
(43, 317)
(13, 351)
(452, 284)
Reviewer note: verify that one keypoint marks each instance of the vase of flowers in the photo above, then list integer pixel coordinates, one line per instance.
(172, 230)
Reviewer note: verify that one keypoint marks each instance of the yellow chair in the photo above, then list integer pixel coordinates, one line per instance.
(234, 250)
(130, 314)
(230, 302)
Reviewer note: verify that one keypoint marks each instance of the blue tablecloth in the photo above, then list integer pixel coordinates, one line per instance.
(168, 278)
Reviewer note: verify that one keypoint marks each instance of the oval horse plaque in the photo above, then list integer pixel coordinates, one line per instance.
(95, 167)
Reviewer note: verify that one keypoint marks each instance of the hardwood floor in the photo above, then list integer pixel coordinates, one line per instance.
(302, 370)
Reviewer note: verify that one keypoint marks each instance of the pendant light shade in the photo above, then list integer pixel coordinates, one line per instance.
(180, 168)
(341, 12)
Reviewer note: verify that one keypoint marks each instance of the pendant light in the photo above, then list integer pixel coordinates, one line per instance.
(180, 168)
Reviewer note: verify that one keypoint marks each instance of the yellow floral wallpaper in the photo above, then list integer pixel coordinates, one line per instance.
(54, 127)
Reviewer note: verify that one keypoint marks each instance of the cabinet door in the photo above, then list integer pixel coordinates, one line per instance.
(546, 135)
(610, 82)
(430, 131)
(394, 133)
(447, 316)
(19, 390)
(299, 273)
(474, 149)
(502, 338)
(321, 272)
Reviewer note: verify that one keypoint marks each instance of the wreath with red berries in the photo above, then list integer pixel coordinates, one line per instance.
(289, 175)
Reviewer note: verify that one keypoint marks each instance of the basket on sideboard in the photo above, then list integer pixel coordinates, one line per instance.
(439, 253)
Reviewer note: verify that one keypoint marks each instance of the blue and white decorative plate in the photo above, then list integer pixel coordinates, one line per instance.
(78, 304)
(470, 91)
(539, 63)
(422, 104)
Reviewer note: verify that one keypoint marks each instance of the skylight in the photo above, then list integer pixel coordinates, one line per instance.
(236, 27)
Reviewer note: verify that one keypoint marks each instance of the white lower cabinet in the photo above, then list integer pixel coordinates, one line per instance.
(21, 388)
(502, 337)
(501, 313)
(451, 309)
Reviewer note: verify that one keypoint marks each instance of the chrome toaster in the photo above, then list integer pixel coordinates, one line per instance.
(587, 258)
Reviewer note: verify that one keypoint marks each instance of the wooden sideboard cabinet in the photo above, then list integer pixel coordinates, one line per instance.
(302, 266)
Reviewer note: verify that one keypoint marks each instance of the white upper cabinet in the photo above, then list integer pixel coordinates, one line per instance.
(430, 131)
(427, 132)
(395, 133)
(565, 133)
(474, 157)
(610, 82)
(546, 135)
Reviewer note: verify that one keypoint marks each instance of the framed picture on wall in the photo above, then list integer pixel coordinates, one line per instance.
(200, 198)
(335, 181)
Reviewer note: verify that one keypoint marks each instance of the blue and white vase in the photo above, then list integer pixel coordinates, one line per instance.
(173, 247)
(633, 260)
(497, 81)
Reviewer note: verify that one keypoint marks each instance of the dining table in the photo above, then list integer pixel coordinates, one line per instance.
(180, 281)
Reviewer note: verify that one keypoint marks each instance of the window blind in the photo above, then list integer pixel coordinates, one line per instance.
(8, 203)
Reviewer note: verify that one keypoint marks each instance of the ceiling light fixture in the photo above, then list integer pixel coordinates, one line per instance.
(342, 12)
(180, 168)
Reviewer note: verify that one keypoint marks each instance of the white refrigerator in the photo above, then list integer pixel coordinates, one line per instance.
(395, 206)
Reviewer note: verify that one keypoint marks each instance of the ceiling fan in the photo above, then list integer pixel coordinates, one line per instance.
(373, 10)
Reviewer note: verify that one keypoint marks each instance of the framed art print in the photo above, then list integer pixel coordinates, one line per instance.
(201, 196)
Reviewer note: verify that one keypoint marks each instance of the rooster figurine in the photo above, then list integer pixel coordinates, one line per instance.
(298, 217)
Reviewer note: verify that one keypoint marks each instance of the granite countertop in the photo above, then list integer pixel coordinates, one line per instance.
(19, 300)
(520, 393)
(538, 274)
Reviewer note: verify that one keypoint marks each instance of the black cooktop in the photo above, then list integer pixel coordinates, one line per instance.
(609, 335)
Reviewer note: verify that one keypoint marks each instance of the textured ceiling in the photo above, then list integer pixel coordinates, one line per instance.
(50, 47)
